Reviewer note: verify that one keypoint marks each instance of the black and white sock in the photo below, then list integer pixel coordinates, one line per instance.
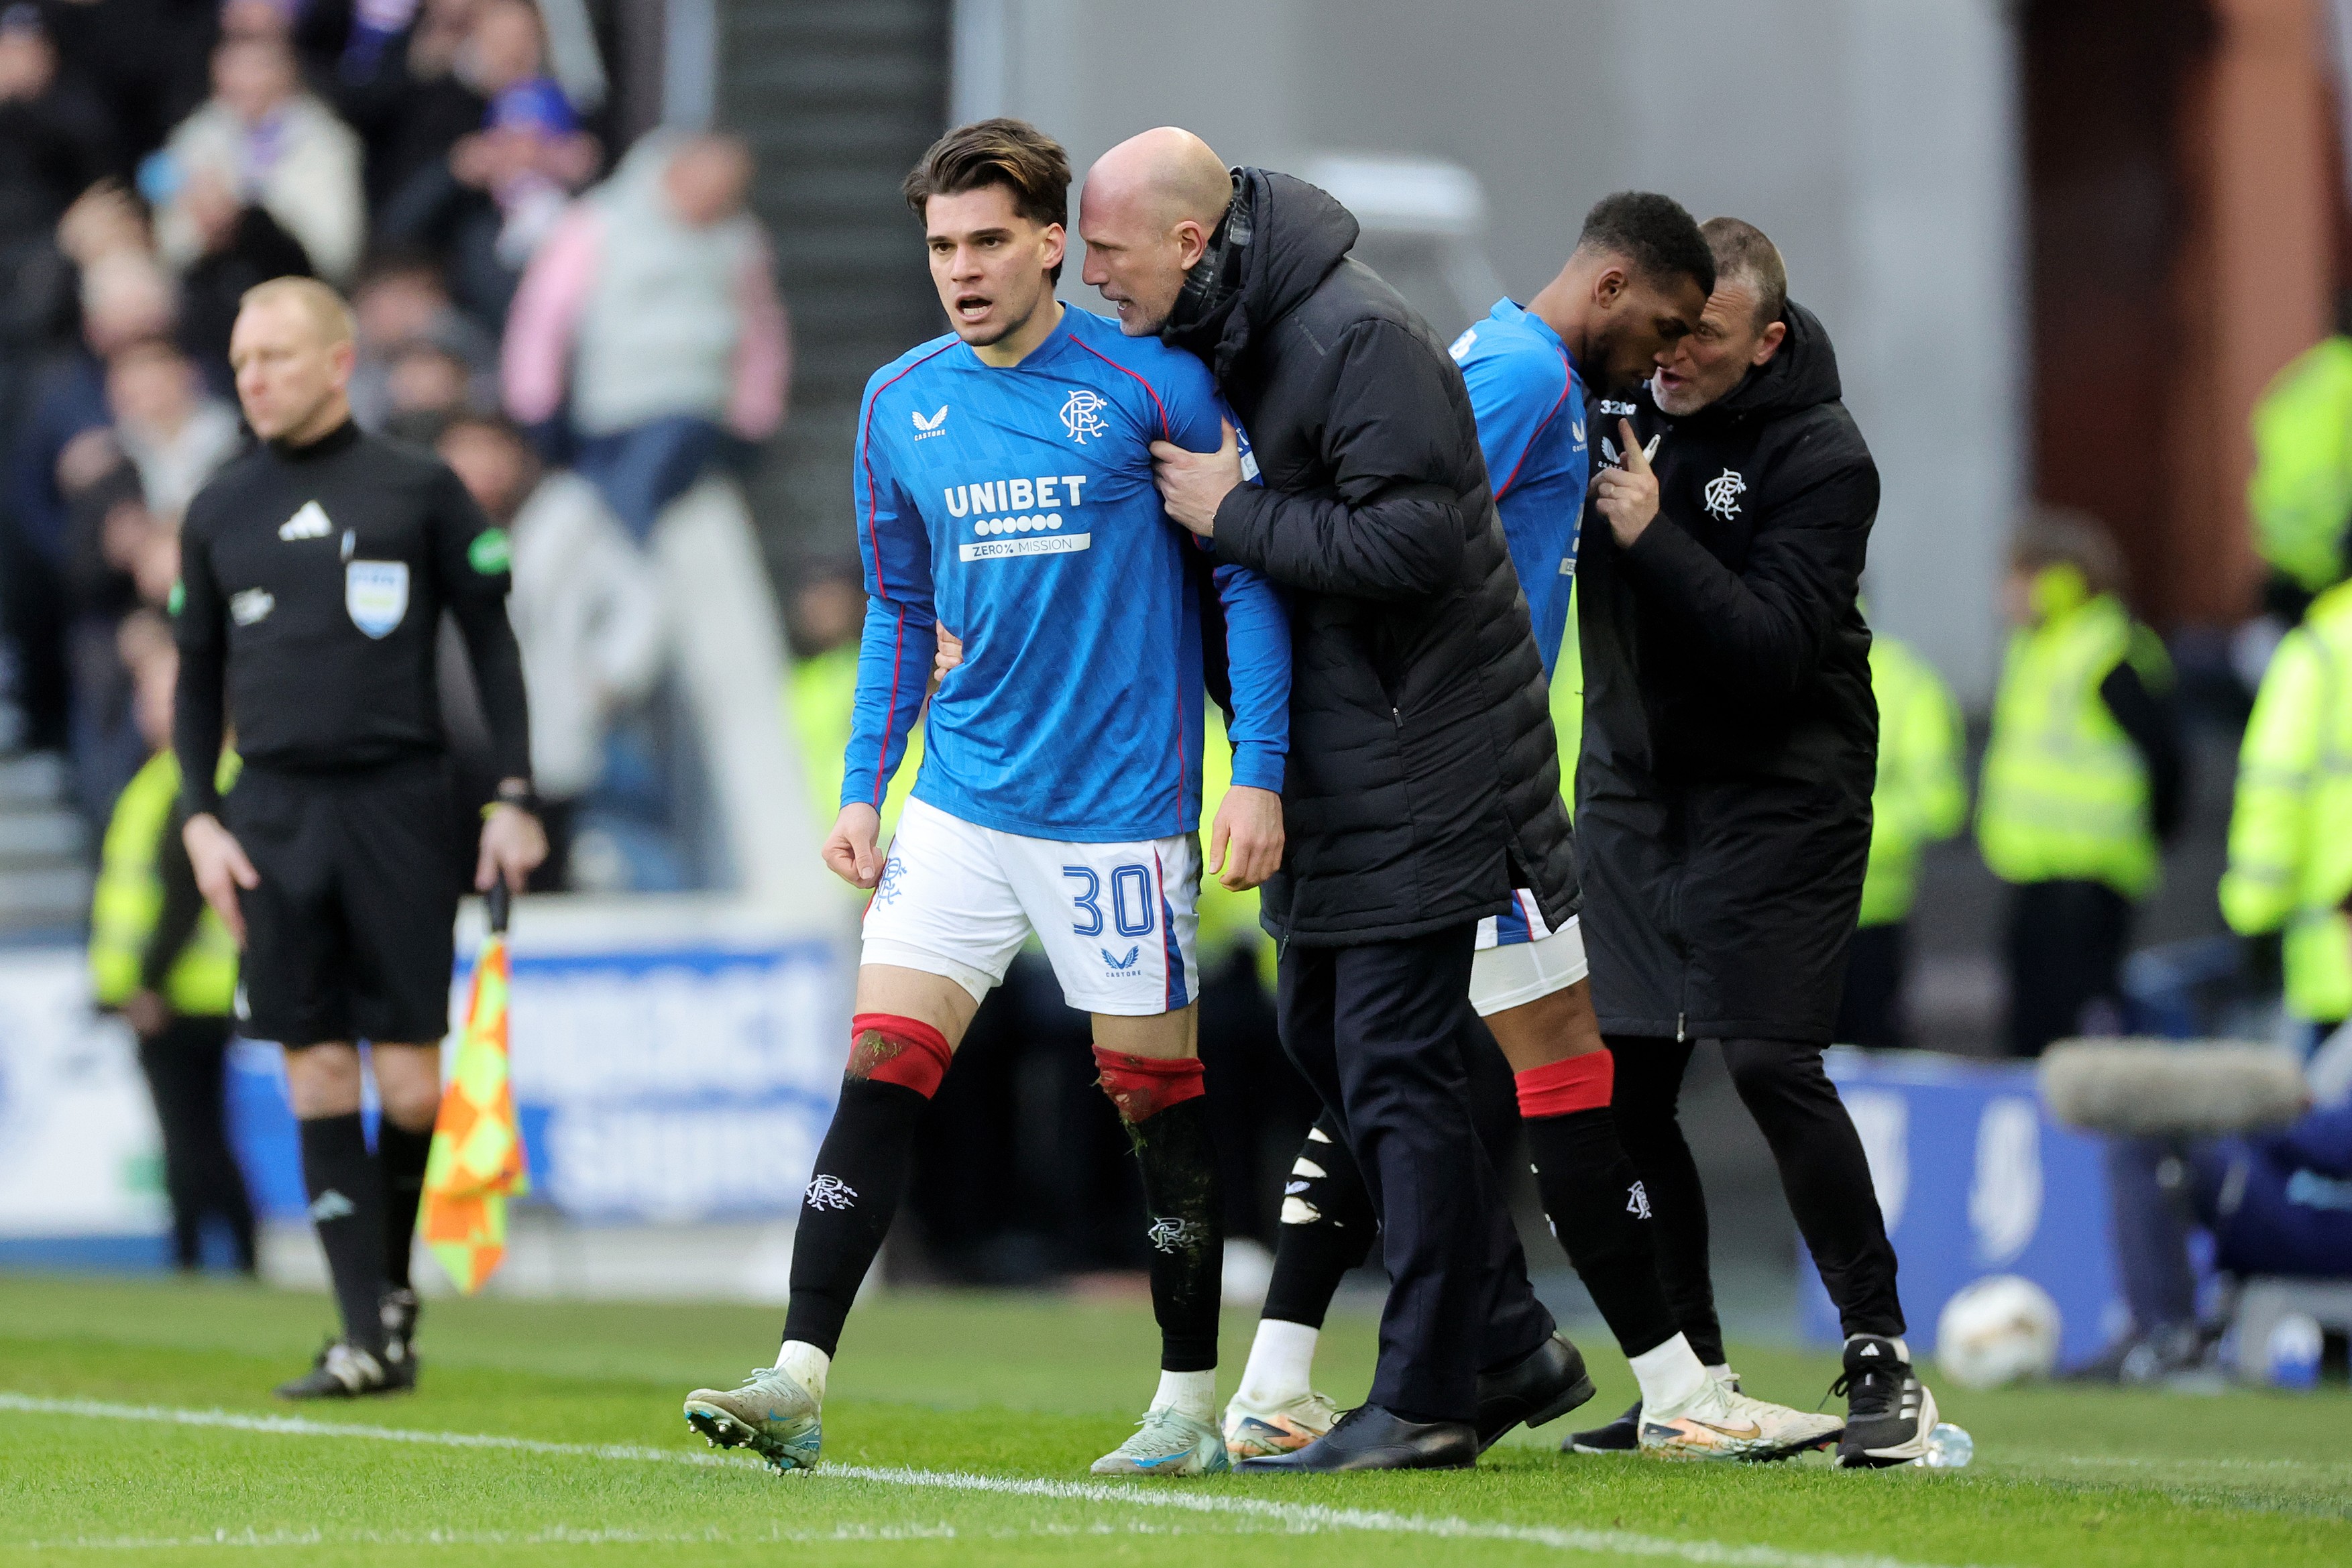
(1185, 1202)
(1601, 1213)
(852, 1198)
(1328, 1227)
(347, 1211)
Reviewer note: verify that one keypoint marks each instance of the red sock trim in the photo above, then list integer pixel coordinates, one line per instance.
(919, 1063)
(1578, 1083)
(1143, 1087)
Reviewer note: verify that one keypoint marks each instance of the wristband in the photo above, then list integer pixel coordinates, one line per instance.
(525, 799)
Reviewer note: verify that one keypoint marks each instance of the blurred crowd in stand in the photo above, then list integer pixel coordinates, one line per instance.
(582, 331)
(581, 336)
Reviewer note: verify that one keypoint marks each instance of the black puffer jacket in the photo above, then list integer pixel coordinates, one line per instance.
(1730, 737)
(1423, 778)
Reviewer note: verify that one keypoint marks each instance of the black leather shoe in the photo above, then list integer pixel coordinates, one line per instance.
(1546, 1385)
(1369, 1438)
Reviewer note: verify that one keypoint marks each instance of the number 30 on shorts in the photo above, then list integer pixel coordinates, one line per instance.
(1130, 890)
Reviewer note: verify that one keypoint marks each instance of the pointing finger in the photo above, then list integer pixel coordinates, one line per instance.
(1636, 460)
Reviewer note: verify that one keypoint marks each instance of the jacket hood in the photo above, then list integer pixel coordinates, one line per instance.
(1802, 374)
(1279, 239)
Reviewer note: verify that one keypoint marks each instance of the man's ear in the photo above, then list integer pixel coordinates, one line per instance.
(1769, 344)
(1192, 243)
(1609, 286)
(1057, 241)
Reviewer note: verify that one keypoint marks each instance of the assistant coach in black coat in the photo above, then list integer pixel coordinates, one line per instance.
(1423, 776)
(1723, 797)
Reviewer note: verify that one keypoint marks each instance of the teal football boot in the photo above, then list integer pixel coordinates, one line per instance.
(771, 1414)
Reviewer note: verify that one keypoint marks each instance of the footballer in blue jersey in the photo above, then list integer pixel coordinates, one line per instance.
(1529, 401)
(1004, 492)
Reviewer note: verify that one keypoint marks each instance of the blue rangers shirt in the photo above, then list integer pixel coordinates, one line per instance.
(1529, 403)
(1015, 506)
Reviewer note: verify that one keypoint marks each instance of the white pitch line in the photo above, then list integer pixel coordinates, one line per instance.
(1298, 1516)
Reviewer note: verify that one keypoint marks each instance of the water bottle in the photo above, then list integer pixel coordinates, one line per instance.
(1949, 1447)
(2290, 1357)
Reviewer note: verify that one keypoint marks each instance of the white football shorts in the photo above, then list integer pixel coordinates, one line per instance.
(1117, 921)
(1521, 959)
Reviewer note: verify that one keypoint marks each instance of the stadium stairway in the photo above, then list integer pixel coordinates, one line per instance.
(45, 877)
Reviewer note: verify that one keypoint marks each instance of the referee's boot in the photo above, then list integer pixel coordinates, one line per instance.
(343, 1371)
(1888, 1412)
(400, 1310)
(1546, 1384)
(1371, 1438)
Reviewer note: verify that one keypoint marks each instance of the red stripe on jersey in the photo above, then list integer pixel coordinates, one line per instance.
(866, 459)
(1566, 387)
(1165, 428)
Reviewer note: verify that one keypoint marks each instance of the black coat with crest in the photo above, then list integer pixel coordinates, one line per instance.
(1423, 779)
(1730, 736)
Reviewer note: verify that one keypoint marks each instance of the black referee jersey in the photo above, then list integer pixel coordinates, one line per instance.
(313, 583)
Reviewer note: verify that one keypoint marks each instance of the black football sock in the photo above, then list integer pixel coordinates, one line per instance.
(347, 1211)
(853, 1196)
(1601, 1213)
(1184, 1201)
(1328, 1227)
(400, 1154)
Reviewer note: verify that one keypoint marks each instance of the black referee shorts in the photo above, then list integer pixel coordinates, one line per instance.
(349, 936)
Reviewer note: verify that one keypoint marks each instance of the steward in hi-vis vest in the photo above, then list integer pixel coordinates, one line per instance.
(1920, 798)
(2082, 780)
(2291, 831)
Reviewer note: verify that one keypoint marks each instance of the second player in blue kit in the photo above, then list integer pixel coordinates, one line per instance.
(1004, 494)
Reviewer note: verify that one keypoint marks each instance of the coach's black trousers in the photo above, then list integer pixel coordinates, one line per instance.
(1382, 1032)
(1823, 1170)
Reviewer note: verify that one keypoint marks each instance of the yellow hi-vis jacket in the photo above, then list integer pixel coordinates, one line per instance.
(129, 900)
(1920, 797)
(823, 695)
(2065, 794)
(1228, 919)
(2290, 829)
(1567, 704)
(2301, 493)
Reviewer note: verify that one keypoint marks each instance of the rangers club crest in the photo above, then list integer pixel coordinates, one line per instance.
(1722, 495)
(1174, 1235)
(830, 1193)
(1082, 414)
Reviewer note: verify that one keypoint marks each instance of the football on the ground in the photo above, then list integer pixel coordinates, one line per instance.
(2001, 1328)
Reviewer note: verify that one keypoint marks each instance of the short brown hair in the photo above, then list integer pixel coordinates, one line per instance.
(1002, 151)
(1743, 252)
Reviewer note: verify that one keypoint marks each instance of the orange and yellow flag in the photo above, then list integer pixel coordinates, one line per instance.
(476, 1163)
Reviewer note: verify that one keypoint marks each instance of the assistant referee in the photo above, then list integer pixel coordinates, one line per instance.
(314, 573)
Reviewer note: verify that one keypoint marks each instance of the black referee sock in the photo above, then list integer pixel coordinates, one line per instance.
(347, 1211)
(853, 1194)
(1601, 1213)
(1326, 1227)
(401, 1154)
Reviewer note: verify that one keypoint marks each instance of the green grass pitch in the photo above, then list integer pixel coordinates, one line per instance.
(135, 1423)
